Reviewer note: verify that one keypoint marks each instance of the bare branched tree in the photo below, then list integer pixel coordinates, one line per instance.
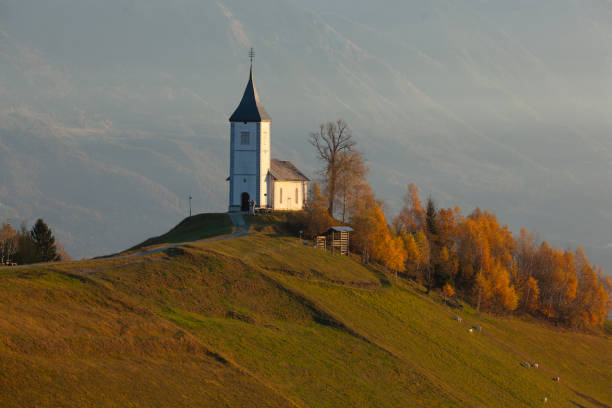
(332, 139)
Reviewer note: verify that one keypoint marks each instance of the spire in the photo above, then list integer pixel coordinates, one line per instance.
(250, 108)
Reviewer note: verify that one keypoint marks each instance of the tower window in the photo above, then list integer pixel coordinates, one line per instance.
(296, 196)
(244, 138)
(281, 195)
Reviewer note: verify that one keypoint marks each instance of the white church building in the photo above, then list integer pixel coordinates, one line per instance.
(254, 175)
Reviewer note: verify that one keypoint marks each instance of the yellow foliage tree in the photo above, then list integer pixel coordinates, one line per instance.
(317, 217)
(529, 295)
(411, 218)
(448, 291)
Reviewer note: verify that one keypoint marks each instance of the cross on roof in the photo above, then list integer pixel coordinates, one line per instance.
(251, 55)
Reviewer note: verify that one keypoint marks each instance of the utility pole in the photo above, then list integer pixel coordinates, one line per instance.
(190, 205)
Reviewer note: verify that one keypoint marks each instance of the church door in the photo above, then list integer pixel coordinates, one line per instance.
(244, 206)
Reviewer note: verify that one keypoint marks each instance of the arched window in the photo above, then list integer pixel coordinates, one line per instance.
(281, 195)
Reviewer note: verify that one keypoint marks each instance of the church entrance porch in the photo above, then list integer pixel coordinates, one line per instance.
(244, 202)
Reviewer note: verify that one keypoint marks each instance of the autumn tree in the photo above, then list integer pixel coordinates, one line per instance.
(391, 251)
(423, 265)
(317, 218)
(492, 291)
(529, 295)
(352, 173)
(331, 140)
(363, 219)
(62, 254)
(448, 291)
(26, 250)
(411, 218)
(592, 299)
(8, 243)
(445, 266)
(412, 252)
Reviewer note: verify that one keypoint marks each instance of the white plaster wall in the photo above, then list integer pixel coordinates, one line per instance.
(289, 201)
(264, 135)
(244, 175)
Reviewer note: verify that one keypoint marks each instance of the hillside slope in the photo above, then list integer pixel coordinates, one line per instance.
(264, 320)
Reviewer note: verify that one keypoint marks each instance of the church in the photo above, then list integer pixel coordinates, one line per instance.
(254, 176)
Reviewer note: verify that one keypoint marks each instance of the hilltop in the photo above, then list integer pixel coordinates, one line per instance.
(265, 320)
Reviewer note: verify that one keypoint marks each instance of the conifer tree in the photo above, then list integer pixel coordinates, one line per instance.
(44, 241)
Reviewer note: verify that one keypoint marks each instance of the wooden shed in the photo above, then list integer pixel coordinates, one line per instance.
(337, 239)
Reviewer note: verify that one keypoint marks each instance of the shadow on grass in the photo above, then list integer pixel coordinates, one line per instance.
(382, 278)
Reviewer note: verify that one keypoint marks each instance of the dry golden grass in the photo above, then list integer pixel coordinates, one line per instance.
(267, 321)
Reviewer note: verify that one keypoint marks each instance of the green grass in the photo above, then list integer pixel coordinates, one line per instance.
(280, 222)
(267, 321)
(192, 229)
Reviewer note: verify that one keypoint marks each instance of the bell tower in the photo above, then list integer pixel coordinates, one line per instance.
(249, 150)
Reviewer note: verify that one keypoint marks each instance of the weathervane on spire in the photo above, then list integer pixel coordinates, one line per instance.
(251, 55)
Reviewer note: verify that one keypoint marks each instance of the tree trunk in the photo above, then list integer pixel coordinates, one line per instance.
(331, 188)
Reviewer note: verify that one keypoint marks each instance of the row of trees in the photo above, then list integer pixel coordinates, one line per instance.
(25, 246)
(497, 271)
(473, 256)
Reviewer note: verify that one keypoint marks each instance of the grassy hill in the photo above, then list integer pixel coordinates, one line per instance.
(265, 320)
(193, 228)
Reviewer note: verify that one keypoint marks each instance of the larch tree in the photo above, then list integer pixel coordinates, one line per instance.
(394, 255)
(330, 141)
(411, 217)
(413, 254)
(447, 291)
(423, 265)
(529, 295)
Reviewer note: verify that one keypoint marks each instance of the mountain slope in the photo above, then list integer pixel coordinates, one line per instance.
(268, 320)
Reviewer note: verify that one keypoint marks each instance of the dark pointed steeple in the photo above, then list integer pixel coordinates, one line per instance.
(250, 108)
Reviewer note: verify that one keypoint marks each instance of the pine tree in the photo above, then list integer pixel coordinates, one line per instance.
(44, 241)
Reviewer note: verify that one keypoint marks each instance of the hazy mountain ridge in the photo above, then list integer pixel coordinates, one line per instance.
(469, 100)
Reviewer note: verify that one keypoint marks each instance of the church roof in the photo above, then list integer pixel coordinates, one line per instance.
(250, 108)
(284, 170)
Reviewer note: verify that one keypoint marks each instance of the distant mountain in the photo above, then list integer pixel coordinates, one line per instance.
(496, 104)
